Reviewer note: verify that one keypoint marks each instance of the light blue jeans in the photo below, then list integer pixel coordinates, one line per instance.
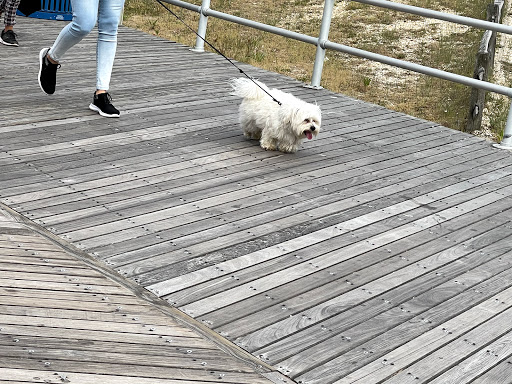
(107, 13)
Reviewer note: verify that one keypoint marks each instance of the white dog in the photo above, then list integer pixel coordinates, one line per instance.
(281, 127)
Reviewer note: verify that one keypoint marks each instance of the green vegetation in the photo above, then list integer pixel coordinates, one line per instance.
(428, 42)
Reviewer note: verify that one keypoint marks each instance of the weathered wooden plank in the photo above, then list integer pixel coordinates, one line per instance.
(42, 376)
(42, 278)
(22, 246)
(101, 326)
(70, 271)
(19, 240)
(66, 308)
(167, 338)
(37, 260)
(136, 371)
(8, 293)
(46, 256)
(175, 360)
(61, 286)
(167, 351)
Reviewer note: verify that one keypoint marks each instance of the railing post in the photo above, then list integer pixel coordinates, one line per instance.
(320, 48)
(506, 142)
(201, 29)
(483, 69)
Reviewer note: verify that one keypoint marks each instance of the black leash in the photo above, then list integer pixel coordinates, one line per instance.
(216, 50)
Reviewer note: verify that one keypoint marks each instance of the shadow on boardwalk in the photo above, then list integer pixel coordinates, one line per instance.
(378, 253)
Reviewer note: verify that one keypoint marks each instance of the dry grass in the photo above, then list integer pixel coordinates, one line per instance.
(424, 41)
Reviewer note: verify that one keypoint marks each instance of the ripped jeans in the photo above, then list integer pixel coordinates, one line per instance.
(107, 13)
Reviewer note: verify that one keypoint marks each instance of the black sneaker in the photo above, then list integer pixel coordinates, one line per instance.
(47, 73)
(101, 104)
(9, 38)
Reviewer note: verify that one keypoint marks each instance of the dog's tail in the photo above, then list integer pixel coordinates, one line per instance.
(248, 89)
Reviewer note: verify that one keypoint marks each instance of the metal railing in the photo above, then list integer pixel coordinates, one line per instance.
(322, 43)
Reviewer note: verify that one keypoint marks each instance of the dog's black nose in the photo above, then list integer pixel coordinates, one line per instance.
(312, 128)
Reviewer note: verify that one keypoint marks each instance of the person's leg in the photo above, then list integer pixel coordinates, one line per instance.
(85, 13)
(8, 37)
(2, 8)
(109, 17)
(108, 21)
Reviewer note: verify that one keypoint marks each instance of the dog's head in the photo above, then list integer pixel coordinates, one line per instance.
(307, 121)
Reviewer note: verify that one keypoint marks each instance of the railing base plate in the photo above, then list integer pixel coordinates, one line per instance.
(503, 146)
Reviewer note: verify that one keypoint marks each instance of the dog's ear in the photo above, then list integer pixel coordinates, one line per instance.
(292, 117)
(288, 114)
(295, 115)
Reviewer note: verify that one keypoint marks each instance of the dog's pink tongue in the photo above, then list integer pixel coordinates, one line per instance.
(309, 135)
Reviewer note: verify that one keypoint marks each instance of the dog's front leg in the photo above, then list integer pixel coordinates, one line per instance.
(289, 144)
(268, 143)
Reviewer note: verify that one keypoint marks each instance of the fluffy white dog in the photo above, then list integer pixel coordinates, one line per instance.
(277, 127)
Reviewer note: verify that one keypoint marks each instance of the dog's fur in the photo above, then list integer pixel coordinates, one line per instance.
(277, 127)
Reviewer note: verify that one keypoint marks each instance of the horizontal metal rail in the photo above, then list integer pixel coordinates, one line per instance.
(421, 69)
(322, 43)
(431, 14)
(246, 22)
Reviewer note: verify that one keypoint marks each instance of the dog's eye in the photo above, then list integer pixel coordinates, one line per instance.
(306, 120)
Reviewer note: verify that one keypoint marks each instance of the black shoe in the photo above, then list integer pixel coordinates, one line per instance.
(47, 73)
(101, 104)
(9, 38)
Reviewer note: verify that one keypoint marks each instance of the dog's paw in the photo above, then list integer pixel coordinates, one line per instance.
(252, 135)
(268, 147)
(288, 149)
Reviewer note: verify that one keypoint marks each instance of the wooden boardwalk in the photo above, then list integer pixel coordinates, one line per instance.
(64, 319)
(380, 252)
